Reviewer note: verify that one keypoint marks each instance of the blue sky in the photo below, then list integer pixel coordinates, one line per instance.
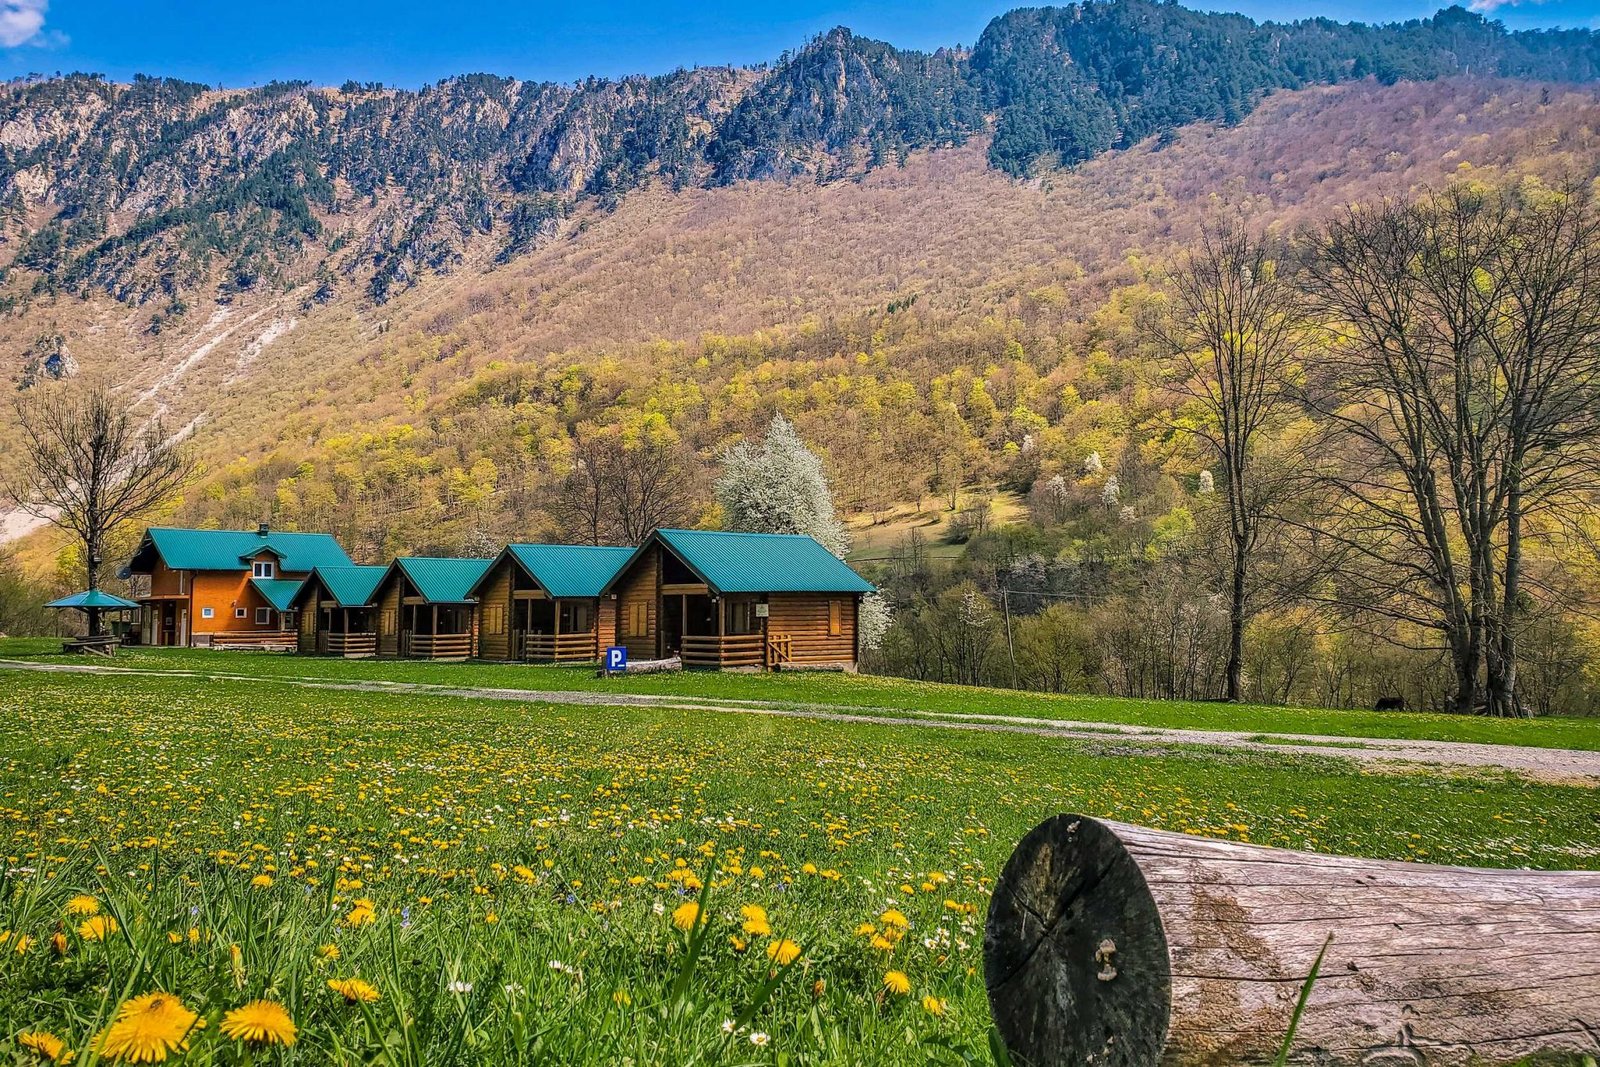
(410, 42)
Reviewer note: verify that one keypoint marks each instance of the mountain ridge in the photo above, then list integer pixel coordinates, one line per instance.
(164, 194)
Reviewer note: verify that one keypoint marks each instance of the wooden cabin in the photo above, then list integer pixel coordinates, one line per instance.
(425, 607)
(224, 588)
(542, 603)
(721, 600)
(338, 615)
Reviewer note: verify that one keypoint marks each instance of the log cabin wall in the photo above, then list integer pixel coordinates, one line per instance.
(495, 612)
(605, 626)
(638, 597)
(821, 627)
(310, 619)
(389, 618)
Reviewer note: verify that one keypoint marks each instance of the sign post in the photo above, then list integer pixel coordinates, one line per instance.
(616, 659)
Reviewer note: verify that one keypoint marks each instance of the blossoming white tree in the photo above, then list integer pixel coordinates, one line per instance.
(777, 485)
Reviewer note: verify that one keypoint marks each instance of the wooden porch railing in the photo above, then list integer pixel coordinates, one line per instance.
(556, 648)
(350, 646)
(261, 640)
(733, 650)
(435, 646)
(780, 647)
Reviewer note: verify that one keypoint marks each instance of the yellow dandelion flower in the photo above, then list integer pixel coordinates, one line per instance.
(934, 1005)
(260, 1022)
(97, 928)
(897, 983)
(174, 938)
(621, 997)
(784, 952)
(753, 913)
(262, 881)
(22, 944)
(895, 917)
(362, 912)
(882, 944)
(148, 1029)
(45, 1045)
(83, 905)
(330, 951)
(58, 943)
(354, 990)
(808, 868)
(686, 916)
(739, 944)
(866, 930)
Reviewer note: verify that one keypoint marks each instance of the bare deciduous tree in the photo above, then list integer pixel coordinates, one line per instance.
(88, 466)
(1460, 386)
(1230, 345)
(618, 491)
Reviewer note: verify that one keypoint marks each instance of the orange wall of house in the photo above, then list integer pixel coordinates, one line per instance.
(223, 591)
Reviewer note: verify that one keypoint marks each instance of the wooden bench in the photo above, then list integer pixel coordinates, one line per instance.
(104, 645)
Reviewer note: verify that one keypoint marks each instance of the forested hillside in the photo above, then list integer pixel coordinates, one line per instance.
(404, 316)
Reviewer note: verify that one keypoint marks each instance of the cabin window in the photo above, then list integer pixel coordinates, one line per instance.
(494, 619)
(388, 620)
(637, 625)
(206, 613)
(835, 618)
(263, 568)
(240, 613)
(263, 616)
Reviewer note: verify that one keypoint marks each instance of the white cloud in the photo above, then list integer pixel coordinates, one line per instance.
(1489, 7)
(21, 21)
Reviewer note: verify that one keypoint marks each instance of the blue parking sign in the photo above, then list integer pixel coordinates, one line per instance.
(616, 658)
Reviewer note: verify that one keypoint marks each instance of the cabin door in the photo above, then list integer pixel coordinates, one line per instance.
(169, 625)
(671, 625)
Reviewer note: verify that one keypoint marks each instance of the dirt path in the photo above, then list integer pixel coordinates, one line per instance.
(1560, 765)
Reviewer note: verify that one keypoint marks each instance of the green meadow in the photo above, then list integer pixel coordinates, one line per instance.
(418, 878)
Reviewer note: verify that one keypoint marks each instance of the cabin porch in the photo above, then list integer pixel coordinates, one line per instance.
(435, 631)
(712, 632)
(347, 632)
(553, 631)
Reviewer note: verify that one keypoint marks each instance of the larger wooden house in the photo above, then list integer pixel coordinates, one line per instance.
(542, 603)
(426, 609)
(719, 599)
(224, 587)
(338, 612)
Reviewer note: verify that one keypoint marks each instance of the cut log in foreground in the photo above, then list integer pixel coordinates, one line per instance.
(1114, 944)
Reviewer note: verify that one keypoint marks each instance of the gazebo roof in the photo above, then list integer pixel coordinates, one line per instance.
(94, 598)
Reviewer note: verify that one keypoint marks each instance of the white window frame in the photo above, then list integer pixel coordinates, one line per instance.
(264, 568)
(240, 613)
(263, 616)
(206, 613)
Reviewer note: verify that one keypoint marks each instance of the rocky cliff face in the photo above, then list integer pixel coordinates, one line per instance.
(168, 195)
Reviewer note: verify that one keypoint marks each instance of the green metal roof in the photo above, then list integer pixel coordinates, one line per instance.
(94, 598)
(762, 563)
(443, 581)
(278, 591)
(570, 570)
(232, 550)
(352, 587)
